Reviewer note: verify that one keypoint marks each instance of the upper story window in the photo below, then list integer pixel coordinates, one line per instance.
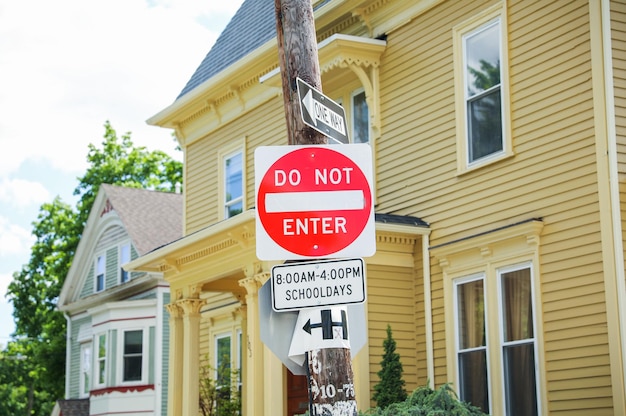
(233, 184)
(360, 118)
(100, 272)
(357, 113)
(231, 179)
(124, 256)
(124, 251)
(481, 80)
(132, 360)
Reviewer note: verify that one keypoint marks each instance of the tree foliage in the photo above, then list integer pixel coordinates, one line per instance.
(390, 389)
(37, 354)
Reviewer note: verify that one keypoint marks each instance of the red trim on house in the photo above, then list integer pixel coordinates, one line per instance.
(121, 389)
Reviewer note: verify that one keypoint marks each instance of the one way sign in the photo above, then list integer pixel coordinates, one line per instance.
(322, 113)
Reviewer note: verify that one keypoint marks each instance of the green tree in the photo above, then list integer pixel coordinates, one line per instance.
(39, 347)
(390, 388)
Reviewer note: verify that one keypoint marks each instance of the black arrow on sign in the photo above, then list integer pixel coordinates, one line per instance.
(327, 324)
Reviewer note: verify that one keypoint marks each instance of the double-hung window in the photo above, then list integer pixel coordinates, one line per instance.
(124, 256)
(100, 272)
(85, 369)
(101, 360)
(514, 345)
(233, 183)
(132, 360)
(493, 333)
(482, 94)
(357, 112)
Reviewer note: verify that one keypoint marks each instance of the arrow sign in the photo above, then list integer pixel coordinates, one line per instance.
(327, 324)
(322, 113)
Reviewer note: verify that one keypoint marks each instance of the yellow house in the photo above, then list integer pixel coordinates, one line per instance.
(498, 130)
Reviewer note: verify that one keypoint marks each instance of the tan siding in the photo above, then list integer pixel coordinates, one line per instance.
(552, 175)
(201, 188)
(391, 300)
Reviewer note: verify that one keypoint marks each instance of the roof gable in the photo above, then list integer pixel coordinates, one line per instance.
(149, 219)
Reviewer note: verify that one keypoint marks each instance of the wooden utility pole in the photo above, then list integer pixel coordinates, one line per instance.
(331, 380)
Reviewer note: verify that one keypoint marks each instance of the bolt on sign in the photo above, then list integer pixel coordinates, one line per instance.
(314, 201)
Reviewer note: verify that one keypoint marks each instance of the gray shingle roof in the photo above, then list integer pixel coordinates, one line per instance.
(74, 407)
(152, 219)
(252, 26)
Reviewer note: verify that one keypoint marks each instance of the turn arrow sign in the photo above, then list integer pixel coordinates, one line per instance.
(322, 113)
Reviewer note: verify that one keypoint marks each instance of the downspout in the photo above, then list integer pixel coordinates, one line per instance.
(68, 347)
(428, 312)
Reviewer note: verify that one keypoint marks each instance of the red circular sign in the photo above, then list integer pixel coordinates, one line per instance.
(314, 201)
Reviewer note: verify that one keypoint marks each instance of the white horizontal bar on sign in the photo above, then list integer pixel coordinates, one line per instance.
(314, 201)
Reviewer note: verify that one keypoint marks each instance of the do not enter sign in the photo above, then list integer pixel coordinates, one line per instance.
(314, 202)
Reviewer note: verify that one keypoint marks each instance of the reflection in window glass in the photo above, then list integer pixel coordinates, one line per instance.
(472, 347)
(483, 92)
(233, 186)
(102, 356)
(133, 349)
(360, 119)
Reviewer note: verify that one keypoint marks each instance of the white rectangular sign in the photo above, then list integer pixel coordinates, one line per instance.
(321, 283)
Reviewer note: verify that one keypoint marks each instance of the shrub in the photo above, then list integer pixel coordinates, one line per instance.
(390, 389)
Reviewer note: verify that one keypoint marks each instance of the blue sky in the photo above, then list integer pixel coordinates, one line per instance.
(67, 67)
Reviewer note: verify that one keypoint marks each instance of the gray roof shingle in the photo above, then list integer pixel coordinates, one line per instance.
(152, 219)
(252, 26)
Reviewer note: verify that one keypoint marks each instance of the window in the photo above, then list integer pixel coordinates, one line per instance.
(518, 341)
(85, 369)
(101, 363)
(222, 360)
(471, 342)
(360, 118)
(100, 270)
(233, 184)
(482, 95)
(133, 356)
(516, 323)
(491, 309)
(124, 256)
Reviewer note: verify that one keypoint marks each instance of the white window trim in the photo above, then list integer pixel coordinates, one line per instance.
(353, 94)
(487, 253)
(95, 373)
(237, 147)
(104, 274)
(145, 349)
(120, 261)
(457, 336)
(460, 32)
(499, 272)
(81, 384)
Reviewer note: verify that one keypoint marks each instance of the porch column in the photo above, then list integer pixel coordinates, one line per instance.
(191, 356)
(175, 366)
(254, 381)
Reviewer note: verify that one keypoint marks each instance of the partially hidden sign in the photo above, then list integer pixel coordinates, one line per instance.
(314, 202)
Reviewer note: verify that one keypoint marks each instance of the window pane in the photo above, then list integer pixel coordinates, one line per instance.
(519, 371)
(223, 360)
(473, 379)
(517, 306)
(233, 174)
(124, 258)
(360, 119)
(234, 209)
(133, 348)
(483, 60)
(485, 125)
(471, 315)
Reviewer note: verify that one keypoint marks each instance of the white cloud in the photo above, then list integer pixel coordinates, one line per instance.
(21, 193)
(69, 65)
(14, 239)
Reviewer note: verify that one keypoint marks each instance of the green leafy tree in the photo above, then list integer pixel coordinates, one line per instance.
(39, 349)
(390, 389)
